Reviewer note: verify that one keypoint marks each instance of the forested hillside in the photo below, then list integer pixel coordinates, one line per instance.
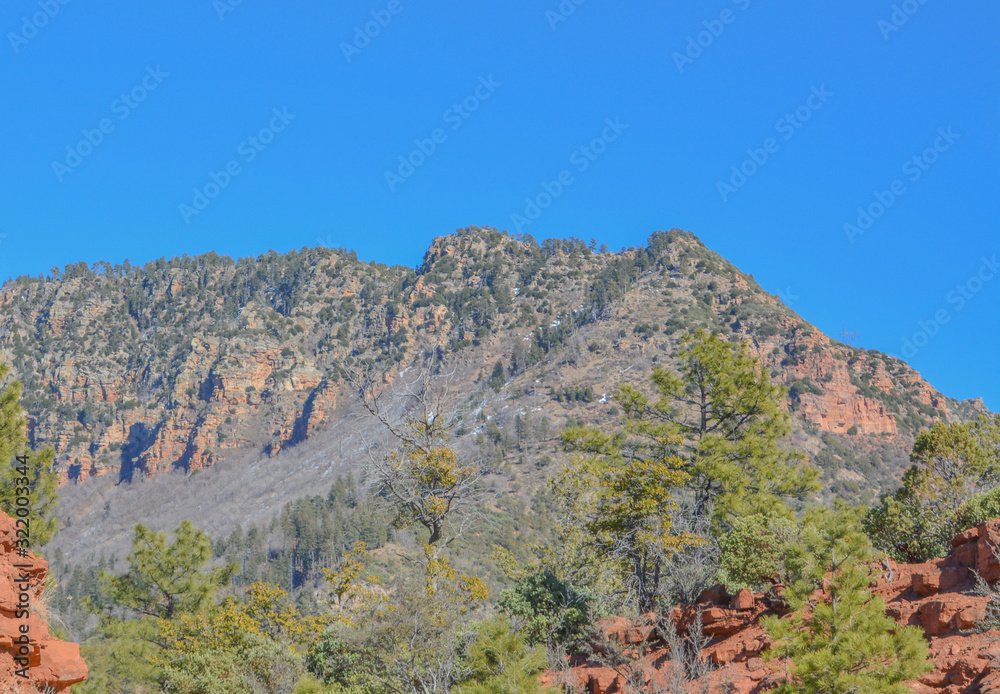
(507, 423)
(181, 362)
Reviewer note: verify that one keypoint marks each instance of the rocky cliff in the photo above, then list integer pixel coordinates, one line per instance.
(30, 658)
(183, 362)
(939, 596)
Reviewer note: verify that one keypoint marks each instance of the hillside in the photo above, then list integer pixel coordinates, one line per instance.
(183, 364)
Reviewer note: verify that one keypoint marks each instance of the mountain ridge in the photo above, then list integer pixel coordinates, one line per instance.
(183, 362)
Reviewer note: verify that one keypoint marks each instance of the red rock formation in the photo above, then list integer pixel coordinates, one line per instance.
(936, 595)
(51, 662)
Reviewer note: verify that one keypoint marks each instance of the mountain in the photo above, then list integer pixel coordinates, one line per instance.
(182, 364)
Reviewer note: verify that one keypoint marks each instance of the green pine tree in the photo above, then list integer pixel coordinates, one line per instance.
(500, 662)
(712, 434)
(25, 474)
(165, 580)
(953, 464)
(838, 638)
(722, 418)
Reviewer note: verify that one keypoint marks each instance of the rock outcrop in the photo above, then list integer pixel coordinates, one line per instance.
(938, 596)
(26, 647)
(183, 363)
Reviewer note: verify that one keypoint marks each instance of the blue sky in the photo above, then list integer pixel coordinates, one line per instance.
(291, 121)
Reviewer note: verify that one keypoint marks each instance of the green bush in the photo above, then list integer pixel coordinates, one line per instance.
(335, 661)
(546, 608)
(752, 552)
(981, 508)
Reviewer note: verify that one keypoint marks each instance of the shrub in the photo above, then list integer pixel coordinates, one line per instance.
(545, 608)
(955, 467)
(752, 551)
(981, 508)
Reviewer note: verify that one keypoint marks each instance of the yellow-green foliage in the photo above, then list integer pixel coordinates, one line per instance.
(712, 434)
(499, 662)
(723, 417)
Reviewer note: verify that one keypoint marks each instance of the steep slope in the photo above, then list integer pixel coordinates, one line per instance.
(183, 363)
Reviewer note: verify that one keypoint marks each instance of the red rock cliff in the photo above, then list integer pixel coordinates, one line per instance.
(50, 662)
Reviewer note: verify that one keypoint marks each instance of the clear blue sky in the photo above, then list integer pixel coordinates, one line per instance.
(180, 86)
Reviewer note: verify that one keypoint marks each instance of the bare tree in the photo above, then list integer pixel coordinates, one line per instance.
(422, 478)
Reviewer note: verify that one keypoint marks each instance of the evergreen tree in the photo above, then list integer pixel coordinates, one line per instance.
(165, 580)
(838, 638)
(499, 662)
(25, 474)
(952, 465)
(713, 434)
(620, 511)
(729, 420)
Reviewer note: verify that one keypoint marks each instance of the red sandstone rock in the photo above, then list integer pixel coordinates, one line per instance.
(927, 582)
(716, 595)
(970, 535)
(51, 662)
(987, 545)
(937, 596)
(743, 600)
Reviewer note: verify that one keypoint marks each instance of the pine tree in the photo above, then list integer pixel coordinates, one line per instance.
(730, 421)
(620, 512)
(838, 638)
(29, 477)
(713, 434)
(952, 464)
(165, 580)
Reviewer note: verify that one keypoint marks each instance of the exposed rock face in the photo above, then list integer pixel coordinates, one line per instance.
(936, 596)
(50, 662)
(180, 363)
